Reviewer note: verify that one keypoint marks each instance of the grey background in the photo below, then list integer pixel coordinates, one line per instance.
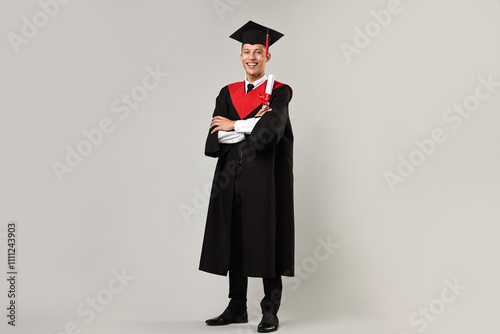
(122, 207)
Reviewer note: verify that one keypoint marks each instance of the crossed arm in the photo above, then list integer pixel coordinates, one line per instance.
(225, 124)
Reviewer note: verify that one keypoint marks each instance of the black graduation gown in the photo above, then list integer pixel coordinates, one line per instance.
(267, 190)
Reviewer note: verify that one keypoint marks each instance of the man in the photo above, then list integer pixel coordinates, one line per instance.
(250, 223)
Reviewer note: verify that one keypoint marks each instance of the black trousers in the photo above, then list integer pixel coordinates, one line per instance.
(238, 283)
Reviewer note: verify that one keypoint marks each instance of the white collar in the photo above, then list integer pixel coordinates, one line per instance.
(256, 83)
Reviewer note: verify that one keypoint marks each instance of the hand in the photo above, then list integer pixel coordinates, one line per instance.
(263, 111)
(222, 123)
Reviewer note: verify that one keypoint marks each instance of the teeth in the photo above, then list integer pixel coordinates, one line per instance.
(252, 64)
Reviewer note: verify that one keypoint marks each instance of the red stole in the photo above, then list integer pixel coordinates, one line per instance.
(246, 103)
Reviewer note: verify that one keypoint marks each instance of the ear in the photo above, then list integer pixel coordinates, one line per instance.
(268, 57)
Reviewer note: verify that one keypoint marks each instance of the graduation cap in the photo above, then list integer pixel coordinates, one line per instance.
(254, 33)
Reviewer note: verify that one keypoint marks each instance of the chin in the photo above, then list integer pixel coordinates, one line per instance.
(252, 72)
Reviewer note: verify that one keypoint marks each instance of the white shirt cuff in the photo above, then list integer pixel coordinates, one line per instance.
(245, 125)
(230, 137)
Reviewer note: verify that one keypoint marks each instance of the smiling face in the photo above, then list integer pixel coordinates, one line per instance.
(253, 58)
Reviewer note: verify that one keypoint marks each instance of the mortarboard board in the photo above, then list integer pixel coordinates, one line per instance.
(254, 33)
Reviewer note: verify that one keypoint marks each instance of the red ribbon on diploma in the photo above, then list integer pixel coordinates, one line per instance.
(269, 89)
(265, 98)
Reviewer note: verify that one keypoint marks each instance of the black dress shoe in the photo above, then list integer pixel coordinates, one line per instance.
(228, 317)
(269, 323)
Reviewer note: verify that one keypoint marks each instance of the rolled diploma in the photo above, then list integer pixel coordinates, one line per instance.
(269, 90)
